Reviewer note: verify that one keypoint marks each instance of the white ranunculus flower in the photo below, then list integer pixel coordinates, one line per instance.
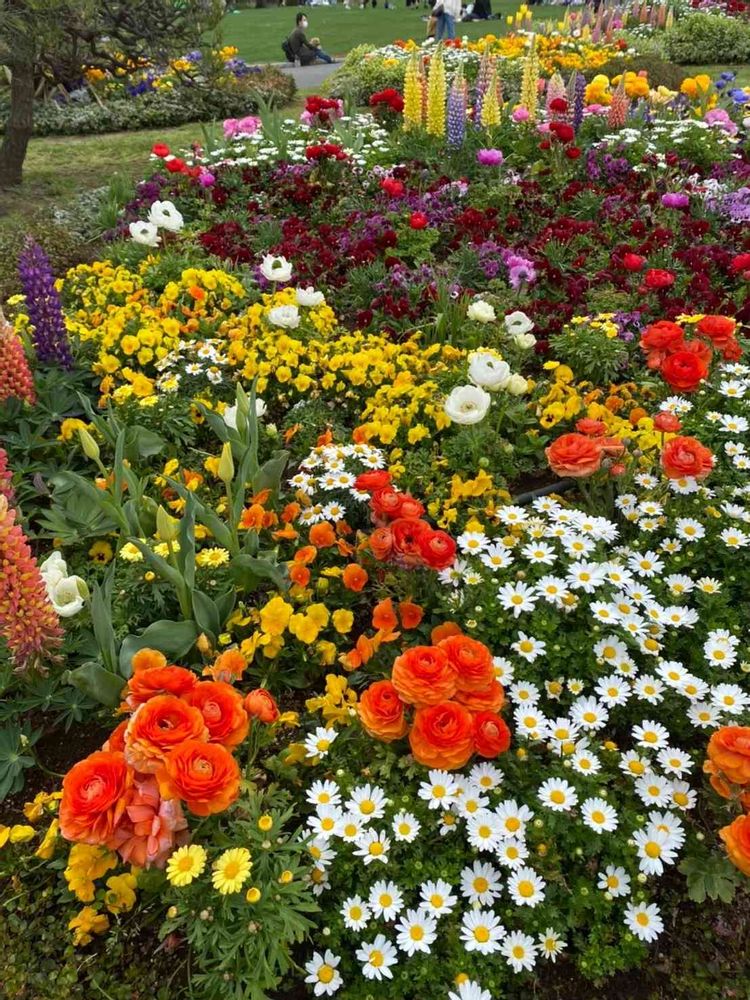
(524, 340)
(144, 233)
(488, 370)
(67, 595)
(518, 322)
(275, 268)
(285, 316)
(53, 569)
(309, 297)
(164, 214)
(467, 404)
(230, 413)
(481, 311)
(517, 385)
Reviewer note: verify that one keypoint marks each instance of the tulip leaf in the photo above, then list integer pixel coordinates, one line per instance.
(174, 639)
(206, 613)
(97, 682)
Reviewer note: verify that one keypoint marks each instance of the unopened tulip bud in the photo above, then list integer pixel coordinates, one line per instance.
(226, 464)
(167, 527)
(89, 445)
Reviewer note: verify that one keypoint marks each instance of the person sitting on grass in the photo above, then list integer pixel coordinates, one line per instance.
(301, 49)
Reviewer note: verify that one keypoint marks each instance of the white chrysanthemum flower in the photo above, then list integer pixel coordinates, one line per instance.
(323, 972)
(599, 815)
(437, 897)
(377, 958)
(480, 883)
(526, 887)
(385, 900)
(416, 931)
(520, 950)
(644, 921)
(481, 931)
(557, 794)
(372, 846)
(614, 880)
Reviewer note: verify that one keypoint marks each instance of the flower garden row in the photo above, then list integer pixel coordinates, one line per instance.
(384, 493)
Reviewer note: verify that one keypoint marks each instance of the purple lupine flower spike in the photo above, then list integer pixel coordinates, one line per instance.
(579, 101)
(44, 306)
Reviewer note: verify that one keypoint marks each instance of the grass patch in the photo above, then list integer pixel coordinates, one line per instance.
(258, 33)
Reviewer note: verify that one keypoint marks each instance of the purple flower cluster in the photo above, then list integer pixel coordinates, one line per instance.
(521, 270)
(734, 206)
(44, 306)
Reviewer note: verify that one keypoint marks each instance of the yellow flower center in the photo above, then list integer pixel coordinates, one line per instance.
(404, 829)
(518, 951)
(642, 919)
(512, 824)
(326, 974)
(481, 884)
(436, 900)
(613, 882)
(438, 791)
(526, 889)
(416, 933)
(367, 806)
(376, 848)
(557, 797)
(481, 934)
(376, 958)
(327, 823)
(597, 816)
(653, 850)
(356, 913)
(323, 745)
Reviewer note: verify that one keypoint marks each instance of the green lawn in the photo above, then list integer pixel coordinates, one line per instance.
(258, 33)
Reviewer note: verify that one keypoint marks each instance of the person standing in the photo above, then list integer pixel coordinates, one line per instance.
(446, 21)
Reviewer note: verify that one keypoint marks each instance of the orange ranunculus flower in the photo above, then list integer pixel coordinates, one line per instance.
(261, 704)
(736, 838)
(729, 752)
(444, 631)
(95, 794)
(146, 659)
(719, 329)
(411, 614)
(719, 784)
(574, 455)
(423, 675)
(354, 577)
(383, 616)
(148, 682)
(204, 775)
(685, 457)
(442, 735)
(299, 574)
(228, 666)
(322, 535)
(472, 661)
(381, 543)
(223, 713)
(489, 699)
(491, 735)
(381, 712)
(158, 726)
(116, 741)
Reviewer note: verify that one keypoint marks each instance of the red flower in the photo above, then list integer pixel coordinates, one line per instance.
(386, 502)
(392, 187)
(633, 261)
(175, 165)
(686, 457)
(491, 735)
(684, 370)
(562, 131)
(438, 549)
(160, 149)
(572, 152)
(656, 279)
(591, 428)
(418, 220)
(368, 482)
(667, 422)
(741, 265)
(719, 329)
(558, 104)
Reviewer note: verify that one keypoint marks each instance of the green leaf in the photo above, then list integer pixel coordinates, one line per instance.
(269, 475)
(186, 538)
(247, 571)
(206, 613)
(98, 683)
(174, 639)
(225, 605)
(101, 617)
(140, 442)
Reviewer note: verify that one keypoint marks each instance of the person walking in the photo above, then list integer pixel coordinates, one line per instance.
(446, 19)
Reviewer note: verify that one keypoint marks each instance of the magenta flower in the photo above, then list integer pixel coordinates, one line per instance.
(489, 157)
(675, 200)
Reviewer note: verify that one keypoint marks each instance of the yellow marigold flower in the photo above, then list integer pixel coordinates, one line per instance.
(212, 557)
(231, 870)
(186, 864)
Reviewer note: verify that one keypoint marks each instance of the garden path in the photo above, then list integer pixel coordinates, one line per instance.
(309, 78)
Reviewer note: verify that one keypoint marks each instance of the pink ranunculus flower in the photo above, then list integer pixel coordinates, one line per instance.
(720, 118)
(241, 126)
(489, 157)
(153, 828)
(520, 114)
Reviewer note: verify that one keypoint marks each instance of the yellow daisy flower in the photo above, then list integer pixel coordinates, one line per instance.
(231, 870)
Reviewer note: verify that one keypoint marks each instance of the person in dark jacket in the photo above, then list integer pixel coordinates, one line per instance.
(301, 49)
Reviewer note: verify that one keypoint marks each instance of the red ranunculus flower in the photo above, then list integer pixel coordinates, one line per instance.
(684, 370)
(686, 457)
(656, 279)
(368, 482)
(160, 149)
(438, 549)
(418, 220)
(633, 261)
(667, 422)
(392, 187)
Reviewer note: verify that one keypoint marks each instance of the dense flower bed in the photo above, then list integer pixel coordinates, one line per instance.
(384, 493)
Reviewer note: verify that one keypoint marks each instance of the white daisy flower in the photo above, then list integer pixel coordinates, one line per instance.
(323, 972)
(326, 822)
(644, 921)
(520, 950)
(416, 931)
(653, 790)
(373, 845)
(469, 990)
(485, 776)
(405, 826)
(481, 884)
(377, 958)
(318, 743)
(526, 887)
(367, 801)
(483, 830)
(650, 735)
(655, 849)
(599, 815)
(356, 913)
(385, 900)
(437, 897)
(439, 791)
(324, 793)
(513, 818)
(551, 944)
(615, 881)
(557, 794)
(682, 796)
(481, 931)
(528, 647)
(675, 761)
(518, 597)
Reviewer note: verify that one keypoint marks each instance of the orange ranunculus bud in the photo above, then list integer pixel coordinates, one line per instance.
(222, 710)
(442, 735)
(383, 616)
(472, 661)
(261, 704)
(146, 659)
(322, 535)
(95, 794)
(354, 577)
(736, 838)
(228, 666)
(729, 752)
(444, 631)
(424, 675)
(411, 614)
(381, 712)
(489, 699)
(204, 775)
(491, 735)
(156, 727)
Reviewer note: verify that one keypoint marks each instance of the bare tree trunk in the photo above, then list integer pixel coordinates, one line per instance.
(19, 125)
